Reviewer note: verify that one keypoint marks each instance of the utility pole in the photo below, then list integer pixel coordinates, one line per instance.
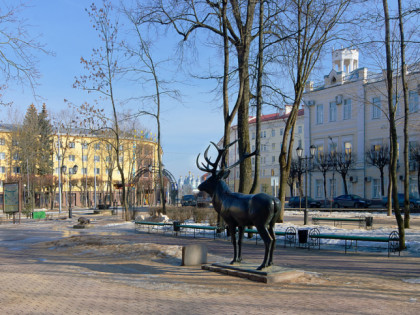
(60, 188)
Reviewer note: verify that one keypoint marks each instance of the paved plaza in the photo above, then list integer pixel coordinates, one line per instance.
(47, 267)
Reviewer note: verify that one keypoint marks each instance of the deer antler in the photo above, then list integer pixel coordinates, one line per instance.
(221, 152)
(243, 158)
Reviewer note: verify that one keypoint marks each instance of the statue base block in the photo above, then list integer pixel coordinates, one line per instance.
(272, 274)
(82, 226)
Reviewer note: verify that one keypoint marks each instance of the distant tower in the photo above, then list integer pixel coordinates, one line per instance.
(345, 60)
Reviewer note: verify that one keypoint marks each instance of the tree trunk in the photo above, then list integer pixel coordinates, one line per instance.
(259, 99)
(406, 116)
(392, 128)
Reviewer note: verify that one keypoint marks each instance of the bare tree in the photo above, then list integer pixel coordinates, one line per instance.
(343, 163)
(18, 49)
(186, 18)
(302, 32)
(103, 71)
(378, 156)
(415, 160)
(146, 66)
(323, 164)
(392, 126)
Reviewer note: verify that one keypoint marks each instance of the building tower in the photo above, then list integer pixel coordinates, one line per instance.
(345, 60)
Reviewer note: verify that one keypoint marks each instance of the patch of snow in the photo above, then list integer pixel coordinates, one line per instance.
(412, 280)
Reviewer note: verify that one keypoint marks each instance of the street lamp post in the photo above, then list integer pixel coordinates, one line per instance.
(72, 171)
(299, 152)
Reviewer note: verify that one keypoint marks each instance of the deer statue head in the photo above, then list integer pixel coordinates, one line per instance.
(210, 184)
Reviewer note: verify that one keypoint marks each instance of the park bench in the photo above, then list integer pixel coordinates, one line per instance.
(158, 226)
(195, 228)
(289, 235)
(392, 239)
(363, 222)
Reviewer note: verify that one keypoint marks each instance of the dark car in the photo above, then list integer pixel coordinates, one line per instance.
(351, 201)
(188, 200)
(414, 202)
(295, 202)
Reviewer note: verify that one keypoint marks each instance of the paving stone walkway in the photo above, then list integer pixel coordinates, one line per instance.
(40, 278)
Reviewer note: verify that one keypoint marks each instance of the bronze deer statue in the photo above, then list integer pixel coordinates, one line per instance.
(240, 210)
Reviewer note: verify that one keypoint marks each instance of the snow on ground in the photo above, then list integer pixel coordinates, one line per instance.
(412, 235)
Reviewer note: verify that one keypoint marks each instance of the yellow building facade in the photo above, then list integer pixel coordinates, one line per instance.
(97, 180)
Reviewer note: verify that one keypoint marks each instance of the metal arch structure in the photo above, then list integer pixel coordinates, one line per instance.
(173, 185)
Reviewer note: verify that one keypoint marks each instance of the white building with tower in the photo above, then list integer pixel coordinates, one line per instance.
(347, 112)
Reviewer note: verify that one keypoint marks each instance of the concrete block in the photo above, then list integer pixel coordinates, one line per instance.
(193, 255)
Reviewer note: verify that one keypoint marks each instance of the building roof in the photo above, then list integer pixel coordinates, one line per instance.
(276, 116)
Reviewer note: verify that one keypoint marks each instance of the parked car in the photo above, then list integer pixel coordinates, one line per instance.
(188, 200)
(414, 202)
(295, 201)
(351, 201)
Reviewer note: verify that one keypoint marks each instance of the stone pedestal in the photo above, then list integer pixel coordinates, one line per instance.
(272, 274)
(193, 255)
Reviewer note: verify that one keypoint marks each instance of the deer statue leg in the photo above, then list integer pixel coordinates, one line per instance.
(273, 245)
(232, 231)
(266, 237)
(240, 238)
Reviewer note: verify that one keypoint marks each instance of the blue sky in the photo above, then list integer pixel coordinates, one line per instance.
(187, 126)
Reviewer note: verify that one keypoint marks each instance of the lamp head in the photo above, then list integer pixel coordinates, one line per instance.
(299, 151)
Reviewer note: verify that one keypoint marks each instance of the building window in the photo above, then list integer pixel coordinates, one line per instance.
(320, 114)
(347, 109)
(333, 111)
(97, 171)
(2, 141)
(15, 143)
(376, 188)
(71, 145)
(413, 101)
(281, 131)
(253, 135)
(2, 169)
(319, 188)
(273, 132)
(84, 158)
(273, 146)
(84, 145)
(300, 129)
(16, 169)
(16, 156)
(319, 150)
(56, 170)
(376, 108)
(263, 134)
(121, 158)
(347, 147)
(2, 155)
(97, 146)
(273, 159)
(72, 158)
(108, 159)
(96, 158)
(84, 170)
